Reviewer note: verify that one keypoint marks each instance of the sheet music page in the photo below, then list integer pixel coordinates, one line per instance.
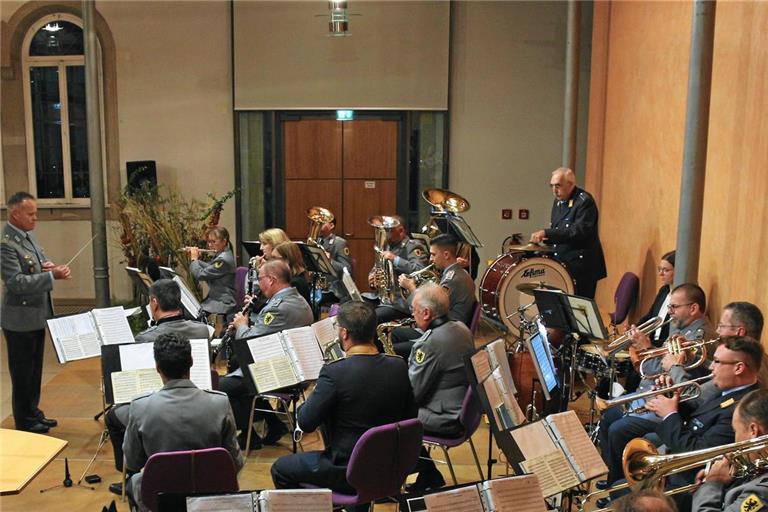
(271, 374)
(74, 337)
(309, 357)
(298, 500)
(149, 380)
(481, 364)
(554, 472)
(131, 311)
(137, 356)
(221, 503)
(465, 499)
(498, 350)
(188, 299)
(266, 347)
(325, 330)
(200, 373)
(127, 385)
(533, 440)
(516, 493)
(112, 325)
(585, 454)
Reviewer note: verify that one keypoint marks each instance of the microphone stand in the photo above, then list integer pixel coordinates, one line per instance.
(67, 480)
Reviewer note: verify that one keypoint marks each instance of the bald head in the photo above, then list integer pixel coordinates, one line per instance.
(562, 182)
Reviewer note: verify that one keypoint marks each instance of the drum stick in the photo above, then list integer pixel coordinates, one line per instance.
(81, 250)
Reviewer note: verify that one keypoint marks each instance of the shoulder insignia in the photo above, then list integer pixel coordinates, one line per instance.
(752, 504)
(346, 251)
(419, 356)
(218, 264)
(418, 252)
(268, 318)
(570, 203)
(727, 403)
(449, 275)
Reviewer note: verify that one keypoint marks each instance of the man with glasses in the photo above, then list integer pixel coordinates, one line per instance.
(573, 232)
(285, 309)
(365, 389)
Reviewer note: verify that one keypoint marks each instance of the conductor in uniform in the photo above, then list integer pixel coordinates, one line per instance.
(407, 256)
(438, 378)
(361, 391)
(573, 232)
(28, 278)
(720, 489)
(337, 250)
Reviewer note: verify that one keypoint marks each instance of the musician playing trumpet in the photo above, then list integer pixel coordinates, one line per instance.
(719, 489)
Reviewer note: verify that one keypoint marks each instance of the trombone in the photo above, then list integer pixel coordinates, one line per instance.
(689, 390)
(623, 341)
(675, 345)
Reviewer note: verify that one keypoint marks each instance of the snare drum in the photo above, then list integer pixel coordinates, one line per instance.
(589, 360)
(498, 293)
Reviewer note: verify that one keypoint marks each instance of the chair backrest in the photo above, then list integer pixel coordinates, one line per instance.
(470, 414)
(475, 322)
(193, 471)
(241, 273)
(625, 297)
(334, 310)
(383, 457)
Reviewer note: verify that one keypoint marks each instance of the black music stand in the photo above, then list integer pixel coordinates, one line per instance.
(317, 262)
(253, 248)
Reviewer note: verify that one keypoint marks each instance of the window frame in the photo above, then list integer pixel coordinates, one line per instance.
(61, 62)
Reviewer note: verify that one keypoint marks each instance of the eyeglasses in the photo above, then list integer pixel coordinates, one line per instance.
(262, 276)
(728, 326)
(718, 361)
(674, 307)
(663, 270)
(555, 185)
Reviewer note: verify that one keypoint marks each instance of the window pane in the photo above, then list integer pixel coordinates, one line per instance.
(57, 38)
(46, 124)
(427, 157)
(78, 139)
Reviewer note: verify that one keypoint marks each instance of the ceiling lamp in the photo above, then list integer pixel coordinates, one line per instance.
(338, 18)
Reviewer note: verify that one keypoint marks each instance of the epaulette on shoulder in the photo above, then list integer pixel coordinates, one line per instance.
(215, 392)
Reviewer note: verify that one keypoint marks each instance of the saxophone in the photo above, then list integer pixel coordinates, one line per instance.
(384, 276)
(384, 333)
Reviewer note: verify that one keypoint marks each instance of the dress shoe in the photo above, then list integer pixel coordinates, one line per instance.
(116, 488)
(425, 482)
(275, 432)
(602, 503)
(48, 422)
(255, 441)
(36, 428)
(601, 485)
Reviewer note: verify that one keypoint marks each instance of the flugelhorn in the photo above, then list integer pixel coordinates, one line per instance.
(428, 273)
(689, 390)
(675, 345)
(623, 341)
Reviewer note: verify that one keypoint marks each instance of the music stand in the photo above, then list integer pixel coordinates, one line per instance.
(252, 247)
(317, 262)
(141, 283)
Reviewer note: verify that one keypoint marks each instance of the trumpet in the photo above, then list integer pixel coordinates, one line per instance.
(689, 390)
(623, 341)
(675, 345)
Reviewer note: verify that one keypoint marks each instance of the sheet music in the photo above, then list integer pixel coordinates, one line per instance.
(221, 503)
(200, 373)
(498, 352)
(325, 330)
(309, 357)
(515, 493)
(585, 456)
(554, 471)
(127, 385)
(131, 311)
(112, 325)
(298, 500)
(271, 374)
(266, 347)
(351, 287)
(465, 499)
(533, 440)
(481, 364)
(74, 337)
(138, 356)
(188, 299)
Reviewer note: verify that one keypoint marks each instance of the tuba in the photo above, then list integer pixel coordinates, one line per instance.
(384, 270)
(444, 203)
(319, 216)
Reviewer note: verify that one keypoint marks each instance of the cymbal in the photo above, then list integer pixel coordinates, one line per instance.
(532, 247)
(527, 288)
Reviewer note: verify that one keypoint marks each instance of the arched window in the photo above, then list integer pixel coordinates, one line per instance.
(54, 96)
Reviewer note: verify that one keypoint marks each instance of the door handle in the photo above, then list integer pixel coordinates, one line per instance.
(347, 235)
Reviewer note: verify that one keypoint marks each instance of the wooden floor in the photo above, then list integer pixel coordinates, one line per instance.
(71, 394)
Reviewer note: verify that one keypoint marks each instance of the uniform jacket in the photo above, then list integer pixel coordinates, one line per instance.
(411, 254)
(352, 395)
(220, 276)
(190, 329)
(751, 496)
(26, 298)
(438, 378)
(340, 259)
(285, 310)
(573, 232)
(178, 417)
(461, 293)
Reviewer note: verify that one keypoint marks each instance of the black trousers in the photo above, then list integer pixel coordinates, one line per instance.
(585, 287)
(25, 364)
(403, 339)
(240, 399)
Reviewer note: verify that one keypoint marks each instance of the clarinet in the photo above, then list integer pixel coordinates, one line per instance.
(229, 335)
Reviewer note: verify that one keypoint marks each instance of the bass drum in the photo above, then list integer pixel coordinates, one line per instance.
(499, 295)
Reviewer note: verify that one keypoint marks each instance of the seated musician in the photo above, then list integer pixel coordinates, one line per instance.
(645, 500)
(285, 309)
(290, 253)
(720, 490)
(336, 249)
(363, 390)
(407, 256)
(436, 369)
(177, 417)
(686, 308)
(269, 239)
(165, 308)
(706, 422)
(219, 273)
(454, 278)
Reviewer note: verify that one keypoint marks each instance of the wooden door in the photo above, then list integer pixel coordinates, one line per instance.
(348, 167)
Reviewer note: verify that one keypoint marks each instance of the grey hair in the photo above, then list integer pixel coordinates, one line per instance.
(433, 297)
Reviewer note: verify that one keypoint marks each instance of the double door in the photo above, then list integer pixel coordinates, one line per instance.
(349, 167)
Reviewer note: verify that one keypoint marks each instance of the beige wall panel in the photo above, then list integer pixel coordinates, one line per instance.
(396, 57)
(734, 245)
(644, 119)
